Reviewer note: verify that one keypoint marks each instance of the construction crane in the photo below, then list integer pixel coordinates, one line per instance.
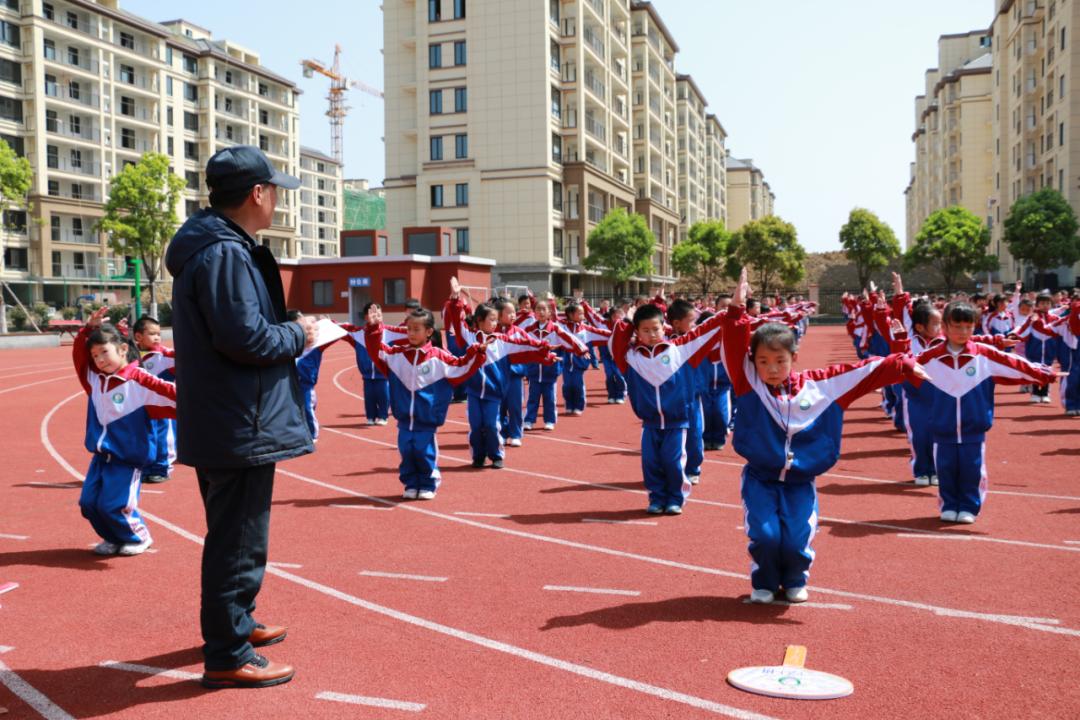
(339, 84)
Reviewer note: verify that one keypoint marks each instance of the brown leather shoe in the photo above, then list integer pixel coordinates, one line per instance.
(264, 635)
(258, 673)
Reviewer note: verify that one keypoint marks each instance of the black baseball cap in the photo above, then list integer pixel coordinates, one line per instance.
(241, 167)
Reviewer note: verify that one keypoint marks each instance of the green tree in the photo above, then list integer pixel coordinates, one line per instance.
(770, 248)
(702, 256)
(954, 240)
(621, 246)
(15, 181)
(869, 243)
(140, 216)
(1041, 229)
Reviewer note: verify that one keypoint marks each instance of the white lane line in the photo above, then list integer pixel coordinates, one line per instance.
(1072, 542)
(8, 536)
(5, 648)
(152, 492)
(713, 503)
(928, 536)
(6, 588)
(598, 591)
(30, 695)
(817, 605)
(402, 576)
(617, 522)
(150, 670)
(1014, 620)
(291, 566)
(371, 701)
(29, 372)
(54, 366)
(359, 507)
(483, 515)
(491, 644)
(39, 382)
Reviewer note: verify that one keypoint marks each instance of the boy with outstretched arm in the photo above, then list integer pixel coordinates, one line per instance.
(788, 430)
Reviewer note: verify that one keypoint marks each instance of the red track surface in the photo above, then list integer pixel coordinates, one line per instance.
(924, 623)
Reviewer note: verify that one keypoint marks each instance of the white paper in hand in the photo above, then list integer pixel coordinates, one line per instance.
(327, 331)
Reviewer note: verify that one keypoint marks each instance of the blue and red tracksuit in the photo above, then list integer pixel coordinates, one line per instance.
(789, 435)
(661, 385)
(961, 402)
(307, 372)
(543, 378)
(376, 387)
(421, 385)
(716, 401)
(574, 365)
(1068, 331)
(1040, 344)
(161, 361)
(120, 437)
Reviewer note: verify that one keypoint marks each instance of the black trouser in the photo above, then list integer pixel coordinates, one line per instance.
(1040, 390)
(237, 506)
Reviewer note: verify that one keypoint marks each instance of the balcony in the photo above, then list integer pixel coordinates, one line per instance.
(137, 114)
(79, 63)
(596, 213)
(596, 162)
(55, 126)
(594, 128)
(596, 86)
(136, 46)
(88, 193)
(82, 24)
(86, 236)
(79, 167)
(594, 42)
(78, 272)
(137, 145)
(145, 83)
(72, 94)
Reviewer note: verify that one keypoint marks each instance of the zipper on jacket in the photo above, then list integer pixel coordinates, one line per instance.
(258, 398)
(660, 409)
(412, 392)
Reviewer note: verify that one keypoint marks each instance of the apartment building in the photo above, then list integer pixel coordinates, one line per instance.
(85, 89)
(693, 154)
(321, 204)
(953, 135)
(749, 197)
(715, 170)
(519, 125)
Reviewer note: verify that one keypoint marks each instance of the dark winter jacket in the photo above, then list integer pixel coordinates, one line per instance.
(238, 398)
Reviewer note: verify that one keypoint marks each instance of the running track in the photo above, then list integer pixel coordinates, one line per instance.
(543, 590)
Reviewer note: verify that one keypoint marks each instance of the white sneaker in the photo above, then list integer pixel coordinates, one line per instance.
(527, 426)
(426, 495)
(948, 516)
(549, 426)
(762, 597)
(922, 480)
(965, 517)
(620, 401)
(1045, 400)
(410, 493)
(797, 595)
(106, 548)
(1035, 400)
(382, 421)
(577, 413)
(135, 548)
(371, 421)
(694, 479)
(933, 480)
(514, 442)
(611, 401)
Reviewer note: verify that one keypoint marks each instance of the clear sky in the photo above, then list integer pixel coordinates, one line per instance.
(820, 95)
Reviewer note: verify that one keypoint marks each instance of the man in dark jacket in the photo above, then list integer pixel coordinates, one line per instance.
(238, 402)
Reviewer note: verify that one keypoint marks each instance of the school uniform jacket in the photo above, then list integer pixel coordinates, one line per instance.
(588, 335)
(357, 337)
(160, 361)
(120, 407)
(558, 338)
(792, 434)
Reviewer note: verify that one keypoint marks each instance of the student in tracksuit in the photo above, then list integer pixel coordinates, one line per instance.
(487, 388)
(964, 374)
(606, 317)
(574, 366)
(681, 316)
(158, 360)
(376, 386)
(659, 377)
(122, 399)
(789, 431)
(716, 398)
(514, 399)
(1039, 342)
(543, 378)
(422, 378)
(307, 373)
(1067, 329)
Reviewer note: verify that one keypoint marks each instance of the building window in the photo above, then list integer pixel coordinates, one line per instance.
(436, 148)
(557, 242)
(434, 54)
(10, 71)
(459, 52)
(73, 56)
(460, 100)
(74, 89)
(191, 121)
(11, 109)
(459, 9)
(462, 244)
(169, 116)
(127, 40)
(555, 55)
(191, 92)
(1061, 87)
(461, 194)
(77, 231)
(127, 106)
(48, 11)
(461, 146)
(436, 196)
(264, 89)
(434, 10)
(264, 143)
(72, 20)
(171, 147)
(127, 138)
(50, 49)
(76, 158)
(556, 147)
(556, 195)
(54, 187)
(191, 65)
(394, 291)
(191, 177)
(168, 85)
(54, 228)
(191, 207)
(9, 34)
(322, 293)
(127, 74)
(191, 150)
(435, 102)
(556, 103)
(15, 259)
(74, 124)
(1062, 38)
(553, 11)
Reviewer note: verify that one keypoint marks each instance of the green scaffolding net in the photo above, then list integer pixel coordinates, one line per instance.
(364, 210)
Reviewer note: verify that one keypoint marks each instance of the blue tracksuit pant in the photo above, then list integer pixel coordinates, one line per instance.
(485, 436)
(716, 405)
(164, 430)
(961, 471)
(541, 392)
(310, 403)
(614, 381)
(695, 445)
(110, 501)
(461, 390)
(419, 469)
(663, 465)
(1070, 385)
(920, 438)
(781, 520)
(511, 407)
(376, 399)
(573, 388)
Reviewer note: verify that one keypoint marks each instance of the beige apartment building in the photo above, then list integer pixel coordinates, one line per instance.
(749, 197)
(85, 89)
(693, 154)
(954, 133)
(715, 170)
(321, 204)
(520, 124)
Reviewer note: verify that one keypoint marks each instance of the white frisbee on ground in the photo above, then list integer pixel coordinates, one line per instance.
(791, 680)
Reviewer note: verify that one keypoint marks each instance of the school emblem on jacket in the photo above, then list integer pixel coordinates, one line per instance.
(149, 365)
(425, 369)
(117, 398)
(805, 404)
(666, 359)
(970, 371)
